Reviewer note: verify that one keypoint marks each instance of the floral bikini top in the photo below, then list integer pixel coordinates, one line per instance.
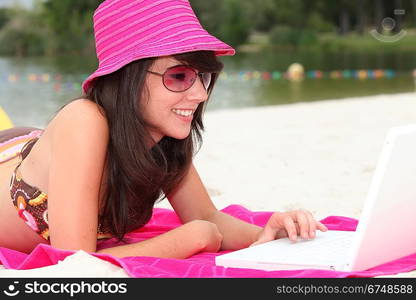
(32, 204)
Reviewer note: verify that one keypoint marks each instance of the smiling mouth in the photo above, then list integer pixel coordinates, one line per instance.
(183, 112)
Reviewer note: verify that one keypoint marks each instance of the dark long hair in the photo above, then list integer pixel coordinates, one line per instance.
(139, 176)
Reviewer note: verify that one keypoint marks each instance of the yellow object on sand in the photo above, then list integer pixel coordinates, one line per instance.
(5, 122)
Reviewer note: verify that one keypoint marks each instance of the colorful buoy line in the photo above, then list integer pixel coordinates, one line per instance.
(73, 82)
(60, 82)
(314, 74)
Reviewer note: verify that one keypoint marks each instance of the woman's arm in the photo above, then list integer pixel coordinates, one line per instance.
(191, 201)
(181, 242)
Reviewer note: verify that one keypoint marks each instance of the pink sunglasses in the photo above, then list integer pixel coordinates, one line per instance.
(180, 78)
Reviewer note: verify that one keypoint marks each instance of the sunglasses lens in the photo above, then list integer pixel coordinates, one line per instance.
(206, 79)
(179, 78)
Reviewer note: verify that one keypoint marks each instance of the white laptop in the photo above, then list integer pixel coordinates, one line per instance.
(386, 230)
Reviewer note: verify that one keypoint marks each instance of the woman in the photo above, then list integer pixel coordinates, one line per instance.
(102, 162)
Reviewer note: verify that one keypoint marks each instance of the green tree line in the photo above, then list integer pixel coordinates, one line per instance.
(65, 26)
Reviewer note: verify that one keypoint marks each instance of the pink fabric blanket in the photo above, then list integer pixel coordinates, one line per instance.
(201, 265)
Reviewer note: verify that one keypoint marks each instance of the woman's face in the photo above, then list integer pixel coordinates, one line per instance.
(163, 110)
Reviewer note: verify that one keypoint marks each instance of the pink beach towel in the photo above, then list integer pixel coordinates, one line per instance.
(201, 265)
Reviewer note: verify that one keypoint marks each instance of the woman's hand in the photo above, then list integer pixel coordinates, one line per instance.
(289, 224)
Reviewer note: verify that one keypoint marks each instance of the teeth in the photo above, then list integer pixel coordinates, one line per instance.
(185, 113)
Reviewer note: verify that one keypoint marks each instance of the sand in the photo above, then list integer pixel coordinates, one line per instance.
(318, 156)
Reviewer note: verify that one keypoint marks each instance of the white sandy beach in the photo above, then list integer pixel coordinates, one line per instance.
(318, 156)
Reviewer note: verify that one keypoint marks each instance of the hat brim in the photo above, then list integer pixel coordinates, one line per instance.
(211, 44)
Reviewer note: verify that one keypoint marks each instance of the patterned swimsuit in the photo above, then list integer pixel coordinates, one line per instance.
(31, 204)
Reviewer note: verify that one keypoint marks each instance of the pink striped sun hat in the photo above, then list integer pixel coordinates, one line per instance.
(128, 30)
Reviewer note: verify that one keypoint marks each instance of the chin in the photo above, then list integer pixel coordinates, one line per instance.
(179, 136)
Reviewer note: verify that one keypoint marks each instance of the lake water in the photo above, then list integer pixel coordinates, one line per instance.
(32, 89)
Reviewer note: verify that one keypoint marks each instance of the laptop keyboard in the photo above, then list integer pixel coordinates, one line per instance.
(327, 250)
(334, 247)
(328, 247)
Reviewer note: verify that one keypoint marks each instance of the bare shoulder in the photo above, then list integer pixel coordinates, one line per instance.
(79, 132)
(81, 109)
(82, 116)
